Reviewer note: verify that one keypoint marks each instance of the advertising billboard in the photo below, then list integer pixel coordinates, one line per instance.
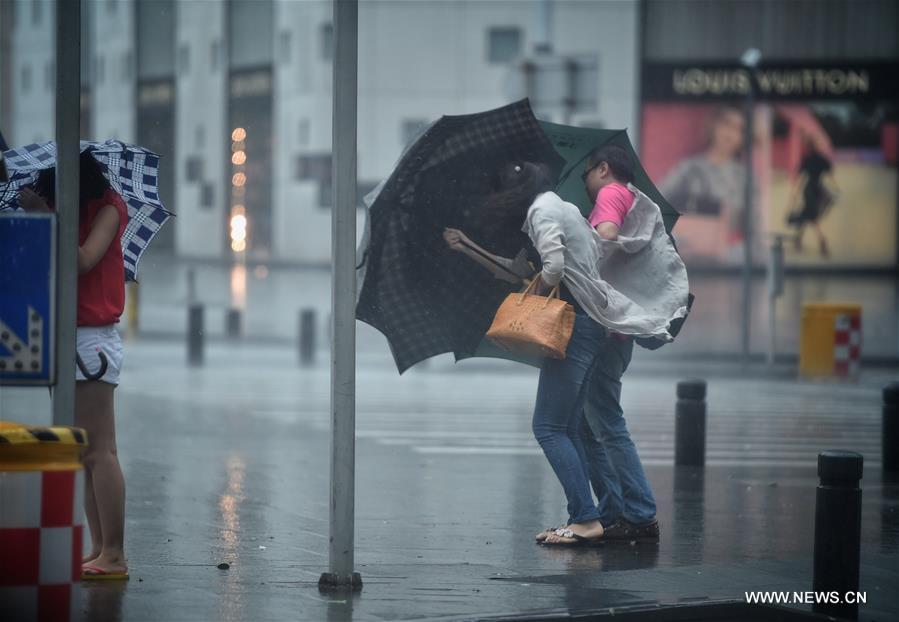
(824, 147)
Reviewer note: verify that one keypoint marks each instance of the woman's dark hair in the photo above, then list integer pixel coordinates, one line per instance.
(618, 160)
(91, 182)
(516, 185)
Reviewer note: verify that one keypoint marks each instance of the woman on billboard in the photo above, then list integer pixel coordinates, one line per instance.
(709, 188)
(818, 187)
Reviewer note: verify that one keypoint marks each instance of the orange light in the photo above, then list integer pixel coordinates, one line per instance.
(238, 209)
(238, 179)
(238, 246)
(239, 157)
(238, 134)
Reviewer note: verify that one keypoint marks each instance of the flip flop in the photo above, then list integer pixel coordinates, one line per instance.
(546, 532)
(579, 541)
(94, 573)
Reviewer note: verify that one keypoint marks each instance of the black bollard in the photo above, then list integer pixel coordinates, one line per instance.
(307, 336)
(838, 522)
(689, 423)
(232, 323)
(195, 335)
(890, 432)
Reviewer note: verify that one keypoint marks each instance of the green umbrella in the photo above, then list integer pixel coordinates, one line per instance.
(575, 144)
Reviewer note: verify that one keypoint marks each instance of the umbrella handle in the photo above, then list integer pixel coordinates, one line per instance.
(104, 364)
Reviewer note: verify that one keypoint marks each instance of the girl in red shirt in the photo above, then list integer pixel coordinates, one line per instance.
(102, 218)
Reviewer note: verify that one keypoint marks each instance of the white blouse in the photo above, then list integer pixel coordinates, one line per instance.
(635, 285)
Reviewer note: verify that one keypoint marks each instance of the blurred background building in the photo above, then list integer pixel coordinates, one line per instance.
(181, 76)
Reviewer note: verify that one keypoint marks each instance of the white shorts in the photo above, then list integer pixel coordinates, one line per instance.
(90, 341)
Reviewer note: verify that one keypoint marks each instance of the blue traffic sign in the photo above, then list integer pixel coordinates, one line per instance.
(27, 309)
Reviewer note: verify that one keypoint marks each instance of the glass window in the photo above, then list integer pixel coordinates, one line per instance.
(36, 11)
(284, 46)
(215, 54)
(207, 195)
(183, 59)
(100, 68)
(193, 168)
(317, 167)
(503, 44)
(26, 78)
(155, 39)
(251, 25)
(127, 63)
(327, 41)
(304, 132)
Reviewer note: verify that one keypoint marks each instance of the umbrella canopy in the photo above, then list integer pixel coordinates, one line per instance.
(576, 143)
(132, 171)
(424, 298)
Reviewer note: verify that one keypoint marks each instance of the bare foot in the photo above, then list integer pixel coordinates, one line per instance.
(591, 530)
(108, 564)
(90, 557)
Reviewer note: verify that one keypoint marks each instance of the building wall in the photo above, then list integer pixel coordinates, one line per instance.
(200, 107)
(33, 83)
(113, 110)
(794, 30)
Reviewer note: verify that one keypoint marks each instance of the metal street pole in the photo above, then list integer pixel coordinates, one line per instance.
(775, 289)
(746, 297)
(68, 119)
(750, 60)
(340, 573)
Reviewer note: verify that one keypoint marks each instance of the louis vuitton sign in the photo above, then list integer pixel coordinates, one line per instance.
(771, 81)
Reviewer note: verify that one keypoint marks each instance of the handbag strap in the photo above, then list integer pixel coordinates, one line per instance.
(532, 285)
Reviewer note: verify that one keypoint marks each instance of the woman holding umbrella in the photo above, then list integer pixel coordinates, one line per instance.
(103, 217)
(571, 254)
(563, 240)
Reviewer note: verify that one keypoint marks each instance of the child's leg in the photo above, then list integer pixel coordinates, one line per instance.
(94, 412)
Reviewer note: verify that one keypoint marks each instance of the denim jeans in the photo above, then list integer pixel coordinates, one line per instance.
(559, 416)
(614, 468)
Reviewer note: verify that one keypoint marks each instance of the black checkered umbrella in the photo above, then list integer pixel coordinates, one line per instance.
(424, 298)
(132, 171)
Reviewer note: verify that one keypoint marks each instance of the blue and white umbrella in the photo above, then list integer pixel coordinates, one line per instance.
(132, 171)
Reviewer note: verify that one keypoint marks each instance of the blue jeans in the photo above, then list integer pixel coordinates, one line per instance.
(613, 465)
(559, 416)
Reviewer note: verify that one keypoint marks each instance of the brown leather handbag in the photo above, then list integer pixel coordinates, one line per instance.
(533, 325)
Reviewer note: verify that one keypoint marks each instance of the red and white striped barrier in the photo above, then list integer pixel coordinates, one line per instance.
(40, 534)
(847, 352)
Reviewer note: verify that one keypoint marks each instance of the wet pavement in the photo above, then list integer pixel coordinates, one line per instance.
(228, 463)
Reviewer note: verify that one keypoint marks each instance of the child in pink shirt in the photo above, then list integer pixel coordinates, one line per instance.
(609, 170)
